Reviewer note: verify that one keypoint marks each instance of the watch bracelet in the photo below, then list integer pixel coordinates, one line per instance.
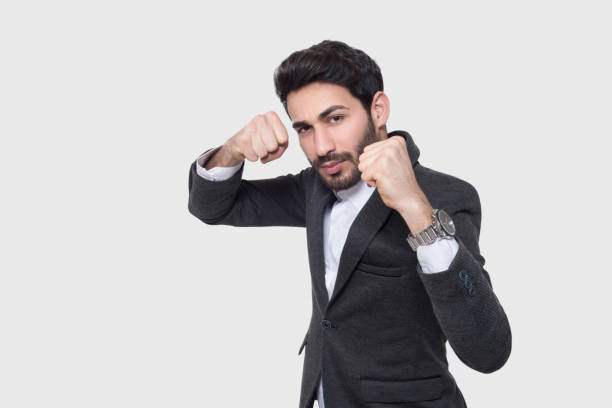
(426, 236)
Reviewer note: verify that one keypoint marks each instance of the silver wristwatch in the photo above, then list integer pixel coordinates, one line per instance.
(442, 226)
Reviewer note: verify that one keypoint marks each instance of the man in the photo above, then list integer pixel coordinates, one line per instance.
(393, 245)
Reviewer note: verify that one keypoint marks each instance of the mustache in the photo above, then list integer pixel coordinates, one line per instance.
(333, 158)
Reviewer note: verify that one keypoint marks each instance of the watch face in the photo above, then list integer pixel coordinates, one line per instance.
(446, 222)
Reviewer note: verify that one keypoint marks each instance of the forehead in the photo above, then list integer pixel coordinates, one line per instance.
(307, 102)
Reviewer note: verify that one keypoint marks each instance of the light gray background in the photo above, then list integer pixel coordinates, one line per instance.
(112, 294)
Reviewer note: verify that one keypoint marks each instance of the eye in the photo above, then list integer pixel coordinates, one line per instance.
(303, 128)
(335, 116)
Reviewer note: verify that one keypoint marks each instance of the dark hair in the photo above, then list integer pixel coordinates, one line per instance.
(333, 62)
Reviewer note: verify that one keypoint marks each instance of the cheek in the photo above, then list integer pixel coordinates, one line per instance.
(307, 149)
(352, 135)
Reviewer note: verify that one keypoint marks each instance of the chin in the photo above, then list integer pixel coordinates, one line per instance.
(342, 180)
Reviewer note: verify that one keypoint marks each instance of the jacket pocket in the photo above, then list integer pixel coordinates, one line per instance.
(392, 271)
(303, 343)
(394, 391)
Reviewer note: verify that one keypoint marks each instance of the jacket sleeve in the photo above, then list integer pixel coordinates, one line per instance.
(462, 297)
(279, 201)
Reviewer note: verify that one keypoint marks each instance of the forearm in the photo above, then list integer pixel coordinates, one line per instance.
(227, 199)
(469, 312)
(224, 157)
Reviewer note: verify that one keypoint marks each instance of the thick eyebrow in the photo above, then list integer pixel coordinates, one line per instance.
(322, 115)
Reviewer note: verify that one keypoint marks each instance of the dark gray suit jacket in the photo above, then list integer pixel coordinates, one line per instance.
(381, 337)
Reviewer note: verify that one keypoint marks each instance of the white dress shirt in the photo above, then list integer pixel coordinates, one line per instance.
(337, 221)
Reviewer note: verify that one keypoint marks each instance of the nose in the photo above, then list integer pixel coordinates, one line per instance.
(323, 142)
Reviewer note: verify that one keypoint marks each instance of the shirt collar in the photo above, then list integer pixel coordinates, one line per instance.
(356, 195)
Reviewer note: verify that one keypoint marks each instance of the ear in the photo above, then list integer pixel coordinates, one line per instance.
(380, 109)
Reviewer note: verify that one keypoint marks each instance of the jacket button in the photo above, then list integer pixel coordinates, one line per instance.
(326, 324)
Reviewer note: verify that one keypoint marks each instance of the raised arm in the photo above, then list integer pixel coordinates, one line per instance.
(462, 297)
(227, 199)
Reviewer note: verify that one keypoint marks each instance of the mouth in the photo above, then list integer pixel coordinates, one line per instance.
(333, 167)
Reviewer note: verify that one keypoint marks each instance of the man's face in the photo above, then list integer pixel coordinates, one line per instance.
(333, 129)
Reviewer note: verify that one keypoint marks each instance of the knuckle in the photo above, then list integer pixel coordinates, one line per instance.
(272, 145)
(250, 127)
(259, 119)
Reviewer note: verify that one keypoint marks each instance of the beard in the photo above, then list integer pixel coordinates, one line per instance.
(340, 180)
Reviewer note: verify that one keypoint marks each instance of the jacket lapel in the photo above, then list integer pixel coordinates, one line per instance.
(369, 220)
(367, 223)
(321, 198)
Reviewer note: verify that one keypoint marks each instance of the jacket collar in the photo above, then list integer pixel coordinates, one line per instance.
(368, 221)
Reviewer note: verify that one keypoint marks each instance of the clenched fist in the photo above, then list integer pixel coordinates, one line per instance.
(264, 137)
(386, 165)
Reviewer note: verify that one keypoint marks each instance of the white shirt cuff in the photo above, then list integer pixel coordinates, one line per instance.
(437, 256)
(216, 173)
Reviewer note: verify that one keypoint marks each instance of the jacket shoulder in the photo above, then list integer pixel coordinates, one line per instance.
(445, 188)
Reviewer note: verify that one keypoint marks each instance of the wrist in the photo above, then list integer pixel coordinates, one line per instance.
(417, 217)
(224, 157)
(442, 226)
